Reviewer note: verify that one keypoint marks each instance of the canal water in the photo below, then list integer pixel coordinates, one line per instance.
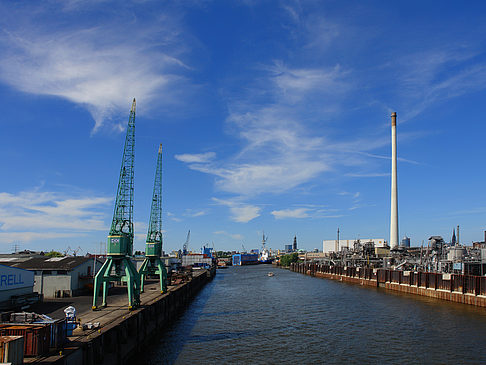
(246, 317)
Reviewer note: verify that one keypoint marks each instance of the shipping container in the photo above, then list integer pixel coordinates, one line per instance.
(36, 337)
(12, 349)
(58, 332)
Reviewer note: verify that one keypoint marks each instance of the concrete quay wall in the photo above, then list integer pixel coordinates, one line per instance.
(465, 289)
(119, 341)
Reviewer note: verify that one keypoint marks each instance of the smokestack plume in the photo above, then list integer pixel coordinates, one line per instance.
(394, 188)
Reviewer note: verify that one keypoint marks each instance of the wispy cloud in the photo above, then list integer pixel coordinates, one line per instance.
(306, 211)
(240, 212)
(235, 236)
(279, 152)
(100, 67)
(196, 158)
(371, 174)
(31, 215)
(477, 210)
(173, 217)
(437, 75)
(291, 213)
(195, 213)
(388, 157)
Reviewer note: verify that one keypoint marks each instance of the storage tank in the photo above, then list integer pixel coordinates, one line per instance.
(405, 242)
(456, 253)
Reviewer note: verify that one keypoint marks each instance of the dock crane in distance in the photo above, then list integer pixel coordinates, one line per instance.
(119, 248)
(186, 244)
(153, 247)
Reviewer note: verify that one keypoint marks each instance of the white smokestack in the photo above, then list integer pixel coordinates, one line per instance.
(394, 189)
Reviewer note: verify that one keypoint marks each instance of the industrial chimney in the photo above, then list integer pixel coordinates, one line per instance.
(394, 190)
(458, 242)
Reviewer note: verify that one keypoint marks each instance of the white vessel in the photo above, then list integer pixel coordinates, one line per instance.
(265, 254)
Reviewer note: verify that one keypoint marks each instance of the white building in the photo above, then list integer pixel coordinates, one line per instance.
(16, 287)
(59, 276)
(335, 246)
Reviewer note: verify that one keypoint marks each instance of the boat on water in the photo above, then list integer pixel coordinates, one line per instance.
(270, 274)
(222, 265)
(265, 255)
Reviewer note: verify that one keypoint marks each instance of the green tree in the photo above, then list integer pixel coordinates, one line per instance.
(53, 253)
(286, 260)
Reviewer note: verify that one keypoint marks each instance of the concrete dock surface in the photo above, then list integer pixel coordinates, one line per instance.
(114, 314)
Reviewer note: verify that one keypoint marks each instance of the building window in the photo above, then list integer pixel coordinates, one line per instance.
(47, 272)
(61, 272)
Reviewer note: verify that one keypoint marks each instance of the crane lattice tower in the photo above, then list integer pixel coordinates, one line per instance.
(118, 266)
(153, 264)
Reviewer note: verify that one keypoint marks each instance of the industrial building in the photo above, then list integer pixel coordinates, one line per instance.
(56, 277)
(245, 259)
(196, 259)
(329, 246)
(172, 263)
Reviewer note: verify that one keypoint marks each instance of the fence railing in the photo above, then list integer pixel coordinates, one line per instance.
(469, 284)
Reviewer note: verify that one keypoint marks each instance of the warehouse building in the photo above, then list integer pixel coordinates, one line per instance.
(336, 246)
(56, 277)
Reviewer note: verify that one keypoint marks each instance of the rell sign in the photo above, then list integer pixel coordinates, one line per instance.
(12, 278)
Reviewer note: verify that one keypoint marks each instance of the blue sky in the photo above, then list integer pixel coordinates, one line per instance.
(273, 115)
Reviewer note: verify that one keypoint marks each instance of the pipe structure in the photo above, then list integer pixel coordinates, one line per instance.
(394, 189)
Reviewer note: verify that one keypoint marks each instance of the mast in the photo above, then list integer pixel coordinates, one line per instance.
(123, 214)
(154, 234)
(118, 267)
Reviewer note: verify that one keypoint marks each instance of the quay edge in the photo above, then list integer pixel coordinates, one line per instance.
(129, 334)
(465, 289)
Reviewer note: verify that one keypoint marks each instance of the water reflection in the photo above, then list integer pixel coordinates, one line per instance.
(244, 316)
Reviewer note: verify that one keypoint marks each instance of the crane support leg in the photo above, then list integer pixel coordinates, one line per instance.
(106, 280)
(143, 272)
(100, 279)
(162, 276)
(133, 284)
(153, 266)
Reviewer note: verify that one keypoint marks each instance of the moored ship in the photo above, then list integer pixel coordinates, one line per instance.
(265, 255)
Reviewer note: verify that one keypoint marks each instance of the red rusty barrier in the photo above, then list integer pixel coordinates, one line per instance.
(36, 337)
(469, 284)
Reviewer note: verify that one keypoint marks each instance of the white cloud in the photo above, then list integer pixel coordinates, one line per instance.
(196, 158)
(100, 67)
(306, 211)
(28, 236)
(279, 152)
(291, 213)
(371, 174)
(195, 213)
(31, 215)
(235, 236)
(240, 212)
(436, 75)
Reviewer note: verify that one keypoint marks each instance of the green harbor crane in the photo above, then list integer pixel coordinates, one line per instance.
(152, 264)
(118, 266)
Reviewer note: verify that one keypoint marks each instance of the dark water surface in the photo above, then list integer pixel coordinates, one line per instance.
(246, 317)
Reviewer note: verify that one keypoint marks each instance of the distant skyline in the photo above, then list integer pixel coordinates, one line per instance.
(273, 115)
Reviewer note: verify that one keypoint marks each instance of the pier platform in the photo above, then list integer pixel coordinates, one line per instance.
(122, 332)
